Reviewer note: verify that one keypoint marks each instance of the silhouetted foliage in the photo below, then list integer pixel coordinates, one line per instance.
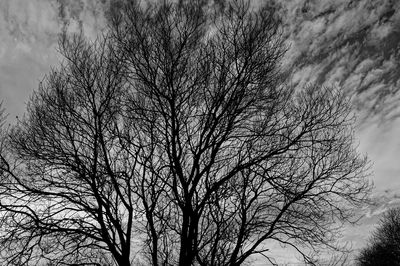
(174, 140)
(384, 245)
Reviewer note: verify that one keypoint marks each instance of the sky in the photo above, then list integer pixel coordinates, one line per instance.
(353, 44)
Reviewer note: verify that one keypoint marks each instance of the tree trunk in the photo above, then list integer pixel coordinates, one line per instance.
(188, 241)
(124, 260)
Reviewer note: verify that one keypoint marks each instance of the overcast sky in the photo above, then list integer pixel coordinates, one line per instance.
(351, 44)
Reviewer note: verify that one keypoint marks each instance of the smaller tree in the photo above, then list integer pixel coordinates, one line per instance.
(384, 245)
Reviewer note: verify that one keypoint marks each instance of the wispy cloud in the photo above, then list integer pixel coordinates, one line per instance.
(353, 44)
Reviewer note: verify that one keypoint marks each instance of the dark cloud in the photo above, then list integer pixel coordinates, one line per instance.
(73, 16)
(353, 44)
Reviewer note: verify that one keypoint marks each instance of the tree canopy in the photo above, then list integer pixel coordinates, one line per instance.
(174, 140)
(383, 248)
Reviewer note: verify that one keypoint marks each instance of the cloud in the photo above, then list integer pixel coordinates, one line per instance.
(331, 42)
(355, 45)
(350, 43)
(29, 33)
(82, 16)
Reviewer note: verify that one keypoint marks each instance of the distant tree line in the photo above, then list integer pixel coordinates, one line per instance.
(383, 248)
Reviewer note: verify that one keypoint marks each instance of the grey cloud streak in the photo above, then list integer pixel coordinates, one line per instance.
(353, 44)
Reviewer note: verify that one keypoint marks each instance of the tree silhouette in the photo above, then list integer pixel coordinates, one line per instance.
(384, 245)
(173, 140)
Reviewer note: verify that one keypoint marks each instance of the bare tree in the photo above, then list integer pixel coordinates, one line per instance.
(384, 245)
(64, 199)
(176, 131)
